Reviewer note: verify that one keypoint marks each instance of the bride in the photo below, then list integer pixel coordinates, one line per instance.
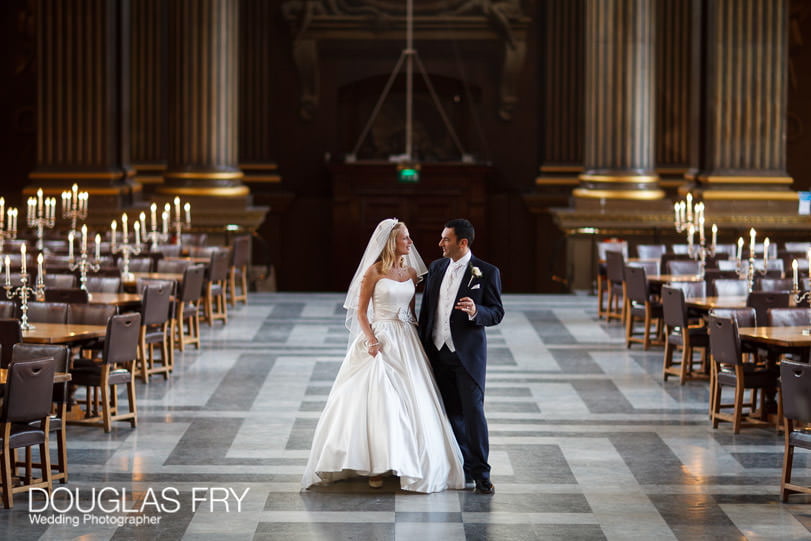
(384, 414)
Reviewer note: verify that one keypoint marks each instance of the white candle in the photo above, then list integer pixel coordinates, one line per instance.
(39, 203)
(83, 202)
(3, 211)
(177, 209)
(84, 238)
(113, 227)
(714, 235)
(124, 230)
(765, 252)
(142, 217)
(137, 227)
(690, 232)
(676, 212)
(98, 246)
(153, 211)
(796, 282)
(165, 219)
(689, 207)
(22, 259)
(701, 229)
(65, 198)
(75, 197)
(8, 277)
(40, 275)
(187, 209)
(740, 248)
(752, 234)
(70, 245)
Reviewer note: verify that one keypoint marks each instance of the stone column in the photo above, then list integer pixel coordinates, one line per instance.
(202, 157)
(741, 163)
(620, 75)
(83, 102)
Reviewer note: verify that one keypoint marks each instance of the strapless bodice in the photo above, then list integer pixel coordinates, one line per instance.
(391, 300)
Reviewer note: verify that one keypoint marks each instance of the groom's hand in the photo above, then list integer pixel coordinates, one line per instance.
(466, 305)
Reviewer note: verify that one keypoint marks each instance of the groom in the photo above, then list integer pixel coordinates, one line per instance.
(462, 296)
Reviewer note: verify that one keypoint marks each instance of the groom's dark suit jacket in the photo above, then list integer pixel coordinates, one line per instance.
(469, 337)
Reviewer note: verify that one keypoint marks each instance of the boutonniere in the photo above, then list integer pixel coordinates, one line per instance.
(475, 272)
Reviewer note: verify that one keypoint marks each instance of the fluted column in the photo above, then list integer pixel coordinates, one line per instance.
(203, 100)
(148, 24)
(619, 131)
(83, 100)
(743, 128)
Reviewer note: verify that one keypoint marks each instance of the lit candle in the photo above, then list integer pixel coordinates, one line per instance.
(3, 211)
(113, 227)
(187, 209)
(676, 212)
(12, 219)
(124, 229)
(40, 275)
(740, 249)
(752, 242)
(65, 198)
(84, 238)
(177, 209)
(22, 259)
(690, 232)
(165, 219)
(153, 211)
(714, 236)
(83, 202)
(796, 282)
(137, 228)
(8, 276)
(808, 260)
(142, 217)
(75, 197)
(98, 246)
(701, 229)
(689, 207)
(682, 206)
(70, 245)
(765, 252)
(39, 203)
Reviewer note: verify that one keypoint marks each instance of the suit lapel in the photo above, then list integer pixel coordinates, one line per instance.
(437, 283)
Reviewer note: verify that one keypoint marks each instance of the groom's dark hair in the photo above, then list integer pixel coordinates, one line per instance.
(463, 229)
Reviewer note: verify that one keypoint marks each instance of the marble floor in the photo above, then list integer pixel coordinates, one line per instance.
(587, 442)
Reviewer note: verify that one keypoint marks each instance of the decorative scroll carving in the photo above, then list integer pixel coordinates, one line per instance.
(478, 20)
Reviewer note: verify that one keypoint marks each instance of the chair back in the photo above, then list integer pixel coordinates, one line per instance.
(138, 264)
(218, 267)
(48, 312)
(104, 284)
(192, 287)
(194, 239)
(73, 295)
(637, 282)
(10, 334)
(718, 274)
(650, 251)
(744, 317)
(691, 289)
(142, 283)
(682, 267)
(59, 281)
(795, 383)
(651, 267)
(797, 247)
(8, 309)
(789, 317)
(61, 356)
(673, 307)
(729, 249)
(680, 249)
(29, 390)
(121, 340)
(614, 266)
(241, 250)
(90, 314)
(729, 288)
(174, 266)
(773, 284)
(728, 265)
(155, 309)
(169, 250)
(761, 301)
(725, 343)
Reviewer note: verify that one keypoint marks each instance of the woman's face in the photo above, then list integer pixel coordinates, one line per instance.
(404, 242)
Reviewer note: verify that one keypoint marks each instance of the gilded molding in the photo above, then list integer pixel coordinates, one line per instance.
(643, 195)
(205, 191)
(715, 179)
(637, 179)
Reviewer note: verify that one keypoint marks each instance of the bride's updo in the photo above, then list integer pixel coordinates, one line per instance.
(388, 257)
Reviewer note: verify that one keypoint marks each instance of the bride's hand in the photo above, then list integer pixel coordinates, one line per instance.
(373, 348)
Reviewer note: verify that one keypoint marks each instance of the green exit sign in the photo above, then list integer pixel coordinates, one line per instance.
(408, 173)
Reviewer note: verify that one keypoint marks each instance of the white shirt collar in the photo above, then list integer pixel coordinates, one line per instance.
(462, 262)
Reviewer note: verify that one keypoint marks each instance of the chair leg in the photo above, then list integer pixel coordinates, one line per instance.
(62, 449)
(131, 398)
(668, 362)
(736, 423)
(142, 355)
(646, 334)
(105, 399)
(716, 403)
(232, 286)
(244, 280)
(8, 496)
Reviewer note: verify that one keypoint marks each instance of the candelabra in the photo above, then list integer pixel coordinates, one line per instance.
(8, 228)
(23, 291)
(748, 271)
(41, 214)
(74, 206)
(798, 295)
(125, 248)
(83, 264)
(179, 225)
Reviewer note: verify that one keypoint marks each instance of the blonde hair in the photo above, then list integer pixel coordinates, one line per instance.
(388, 257)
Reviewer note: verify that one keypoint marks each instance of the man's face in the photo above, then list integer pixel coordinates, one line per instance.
(451, 246)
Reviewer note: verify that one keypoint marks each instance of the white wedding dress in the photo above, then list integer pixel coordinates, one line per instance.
(384, 414)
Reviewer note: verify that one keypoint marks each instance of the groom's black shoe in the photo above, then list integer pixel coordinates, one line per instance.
(484, 486)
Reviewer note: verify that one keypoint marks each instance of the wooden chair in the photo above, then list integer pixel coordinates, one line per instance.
(679, 334)
(731, 371)
(773, 285)
(25, 421)
(615, 278)
(214, 301)
(762, 301)
(682, 267)
(729, 288)
(61, 356)
(796, 398)
(10, 334)
(59, 281)
(104, 284)
(650, 251)
(155, 331)
(640, 307)
(103, 375)
(238, 270)
(188, 307)
(72, 295)
(48, 312)
(744, 317)
(174, 266)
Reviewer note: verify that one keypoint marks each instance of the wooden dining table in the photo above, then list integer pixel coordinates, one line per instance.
(708, 303)
(792, 337)
(59, 377)
(660, 279)
(116, 299)
(176, 276)
(62, 333)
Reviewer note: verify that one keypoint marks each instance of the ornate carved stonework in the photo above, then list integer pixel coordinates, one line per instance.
(359, 20)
